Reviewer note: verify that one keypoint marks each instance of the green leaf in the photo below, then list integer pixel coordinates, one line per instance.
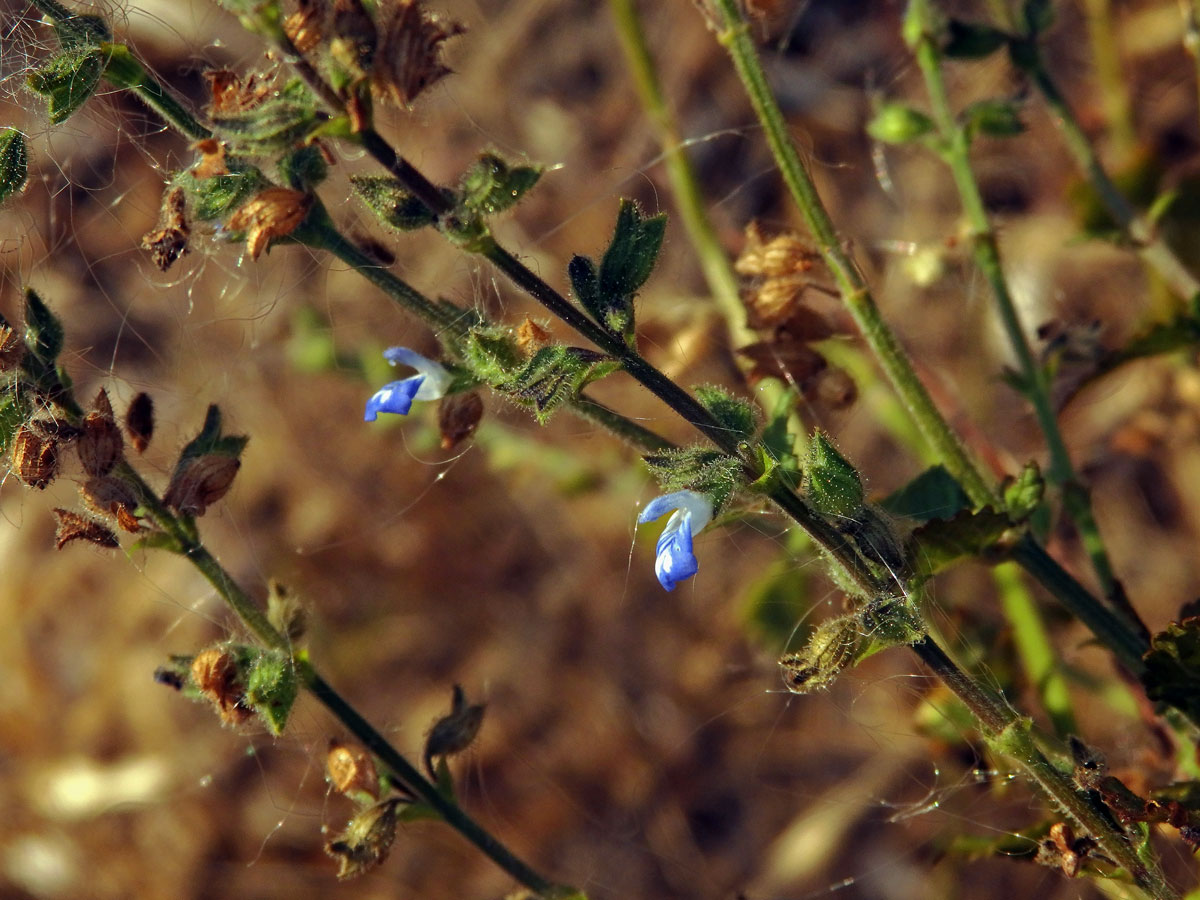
(632, 253)
(155, 540)
(14, 412)
(491, 185)
(43, 331)
(14, 163)
(832, 484)
(934, 494)
(585, 284)
(211, 441)
(1172, 673)
(1023, 494)
(735, 414)
(777, 439)
(994, 118)
(972, 40)
(68, 80)
(895, 123)
(394, 206)
(939, 542)
(271, 688)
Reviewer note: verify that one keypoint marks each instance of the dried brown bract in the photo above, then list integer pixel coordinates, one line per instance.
(215, 674)
(169, 241)
(367, 840)
(59, 430)
(12, 349)
(74, 527)
(231, 95)
(212, 159)
(354, 36)
(108, 496)
(458, 417)
(139, 421)
(351, 771)
(531, 336)
(34, 458)
(453, 733)
(306, 26)
(201, 482)
(269, 214)
(100, 445)
(408, 58)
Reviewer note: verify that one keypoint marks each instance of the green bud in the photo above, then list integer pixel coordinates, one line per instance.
(43, 331)
(832, 484)
(271, 688)
(67, 81)
(1023, 494)
(994, 118)
(394, 206)
(14, 163)
(895, 123)
(491, 185)
(972, 40)
(831, 648)
(734, 413)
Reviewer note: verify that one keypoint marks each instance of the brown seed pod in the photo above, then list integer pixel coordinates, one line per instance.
(458, 417)
(169, 241)
(108, 495)
(139, 421)
(12, 349)
(408, 59)
(201, 482)
(269, 214)
(212, 159)
(215, 675)
(34, 459)
(74, 527)
(453, 733)
(100, 446)
(351, 771)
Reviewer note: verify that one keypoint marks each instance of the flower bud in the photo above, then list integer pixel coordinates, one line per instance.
(34, 459)
(100, 444)
(74, 527)
(352, 772)
(139, 421)
(200, 482)
(830, 649)
(832, 484)
(898, 124)
(108, 495)
(367, 840)
(458, 417)
(453, 733)
(215, 674)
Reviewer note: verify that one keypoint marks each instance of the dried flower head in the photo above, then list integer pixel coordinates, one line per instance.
(100, 445)
(215, 674)
(306, 26)
(781, 257)
(458, 417)
(453, 733)
(531, 336)
(352, 772)
(269, 214)
(12, 349)
(58, 430)
(34, 458)
(285, 611)
(74, 527)
(212, 159)
(169, 240)
(201, 482)
(367, 840)
(408, 59)
(354, 36)
(139, 421)
(231, 95)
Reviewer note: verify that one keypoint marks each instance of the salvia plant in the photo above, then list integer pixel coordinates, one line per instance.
(294, 154)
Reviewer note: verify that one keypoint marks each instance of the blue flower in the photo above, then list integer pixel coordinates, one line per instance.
(674, 560)
(430, 383)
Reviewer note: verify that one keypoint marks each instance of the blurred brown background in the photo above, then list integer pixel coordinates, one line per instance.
(637, 743)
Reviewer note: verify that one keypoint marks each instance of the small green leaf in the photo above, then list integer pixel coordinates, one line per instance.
(394, 206)
(1023, 494)
(14, 163)
(14, 412)
(939, 542)
(895, 123)
(210, 440)
(271, 688)
(43, 331)
(972, 40)
(491, 185)
(832, 484)
(632, 253)
(934, 494)
(68, 80)
(994, 118)
(735, 414)
(156, 540)
(1173, 666)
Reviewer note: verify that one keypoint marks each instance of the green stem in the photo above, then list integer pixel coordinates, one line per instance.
(1038, 655)
(1012, 735)
(733, 33)
(1114, 89)
(1152, 249)
(954, 148)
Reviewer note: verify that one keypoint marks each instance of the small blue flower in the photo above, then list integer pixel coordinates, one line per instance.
(430, 383)
(674, 560)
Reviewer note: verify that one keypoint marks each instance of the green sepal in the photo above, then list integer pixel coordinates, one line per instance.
(700, 469)
(555, 375)
(214, 199)
(43, 333)
(972, 40)
(895, 123)
(890, 622)
(831, 483)
(272, 126)
(1172, 673)
(735, 414)
(14, 412)
(211, 441)
(490, 355)
(394, 206)
(303, 169)
(491, 185)
(934, 494)
(939, 542)
(68, 80)
(14, 163)
(1023, 494)
(993, 118)
(271, 688)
